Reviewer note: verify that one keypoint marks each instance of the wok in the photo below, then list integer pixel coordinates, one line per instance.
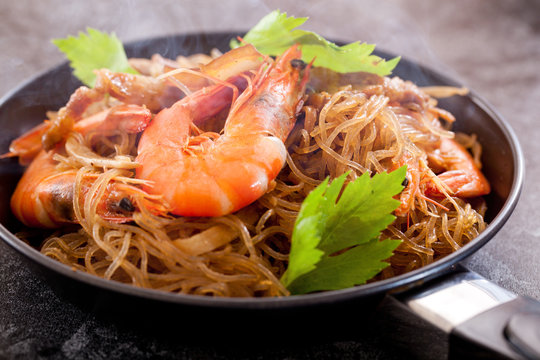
(503, 165)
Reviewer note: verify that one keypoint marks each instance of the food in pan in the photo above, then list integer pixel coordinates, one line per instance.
(248, 175)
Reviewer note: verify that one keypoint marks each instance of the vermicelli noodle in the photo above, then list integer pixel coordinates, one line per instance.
(368, 126)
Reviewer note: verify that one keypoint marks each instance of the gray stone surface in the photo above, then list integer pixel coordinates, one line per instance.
(492, 47)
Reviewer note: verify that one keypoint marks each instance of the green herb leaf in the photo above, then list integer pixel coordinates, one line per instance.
(92, 51)
(276, 32)
(335, 244)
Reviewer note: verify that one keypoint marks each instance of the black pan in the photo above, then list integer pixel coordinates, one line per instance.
(26, 106)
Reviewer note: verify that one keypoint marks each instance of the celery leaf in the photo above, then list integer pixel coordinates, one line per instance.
(92, 51)
(276, 32)
(335, 242)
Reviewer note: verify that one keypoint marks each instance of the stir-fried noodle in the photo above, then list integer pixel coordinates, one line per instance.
(368, 126)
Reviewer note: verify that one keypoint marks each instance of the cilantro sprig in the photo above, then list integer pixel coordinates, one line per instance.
(276, 32)
(95, 50)
(336, 243)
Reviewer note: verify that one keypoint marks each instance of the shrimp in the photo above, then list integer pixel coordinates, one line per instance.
(200, 176)
(44, 195)
(130, 118)
(155, 94)
(460, 174)
(183, 73)
(410, 184)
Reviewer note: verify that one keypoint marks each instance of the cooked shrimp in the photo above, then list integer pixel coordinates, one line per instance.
(460, 174)
(78, 103)
(155, 94)
(410, 184)
(130, 118)
(44, 195)
(196, 69)
(199, 176)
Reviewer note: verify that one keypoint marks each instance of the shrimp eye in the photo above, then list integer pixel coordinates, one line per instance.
(126, 204)
(298, 64)
(405, 182)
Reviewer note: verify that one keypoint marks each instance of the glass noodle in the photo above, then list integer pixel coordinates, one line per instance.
(356, 124)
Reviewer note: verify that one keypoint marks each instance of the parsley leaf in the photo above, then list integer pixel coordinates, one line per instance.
(97, 50)
(276, 32)
(335, 243)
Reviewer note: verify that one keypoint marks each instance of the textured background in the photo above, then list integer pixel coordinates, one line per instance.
(492, 47)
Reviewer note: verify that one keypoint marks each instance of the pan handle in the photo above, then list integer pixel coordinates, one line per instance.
(482, 319)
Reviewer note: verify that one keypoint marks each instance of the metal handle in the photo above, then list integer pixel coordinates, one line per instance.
(481, 319)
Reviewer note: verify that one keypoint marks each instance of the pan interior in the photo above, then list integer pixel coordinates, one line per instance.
(26, 107)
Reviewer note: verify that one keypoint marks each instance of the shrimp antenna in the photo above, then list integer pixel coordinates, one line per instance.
(422, 196)
(184, 88)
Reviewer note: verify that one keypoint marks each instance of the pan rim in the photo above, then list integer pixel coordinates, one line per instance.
(395, 284)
